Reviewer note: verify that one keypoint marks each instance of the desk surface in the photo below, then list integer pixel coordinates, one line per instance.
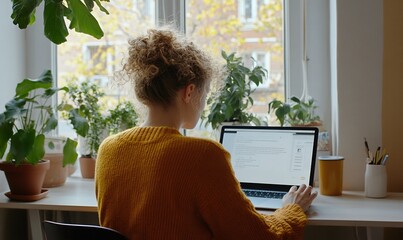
(76, 195)
(350, 209)
(354, 209)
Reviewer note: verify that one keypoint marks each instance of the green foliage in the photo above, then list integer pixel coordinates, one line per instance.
(85, 97)
(297, 113)
(26, 120)
(233, 100)
(55, 13)
(124, 116)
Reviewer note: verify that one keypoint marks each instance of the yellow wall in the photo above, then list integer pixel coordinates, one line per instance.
(392, 94)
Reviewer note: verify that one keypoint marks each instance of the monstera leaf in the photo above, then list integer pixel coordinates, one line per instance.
(78, 12)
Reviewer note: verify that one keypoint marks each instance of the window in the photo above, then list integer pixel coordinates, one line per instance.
(248, 10)
(251, 28)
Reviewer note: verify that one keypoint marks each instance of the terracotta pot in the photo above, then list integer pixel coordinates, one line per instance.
(57, 174)
(87, 167)
(25, 179)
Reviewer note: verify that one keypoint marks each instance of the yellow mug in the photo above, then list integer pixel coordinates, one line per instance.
(330, 175)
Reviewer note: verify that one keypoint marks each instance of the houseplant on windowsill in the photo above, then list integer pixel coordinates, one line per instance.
(296, 113)
(233, 99)
(300, 113)
(122, 117)
(23, 125)
(85, 97)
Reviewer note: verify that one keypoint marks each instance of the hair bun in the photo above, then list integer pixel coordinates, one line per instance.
(162, 61)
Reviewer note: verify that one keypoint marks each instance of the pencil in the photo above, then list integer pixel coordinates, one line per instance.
(366, 146)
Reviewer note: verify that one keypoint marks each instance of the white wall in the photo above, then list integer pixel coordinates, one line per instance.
(360, 60)
(38, 48)
(12, 48)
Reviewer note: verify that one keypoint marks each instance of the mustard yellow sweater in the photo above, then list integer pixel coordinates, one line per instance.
(154, 183)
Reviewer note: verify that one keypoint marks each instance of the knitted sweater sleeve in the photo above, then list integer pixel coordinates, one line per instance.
(226, 210)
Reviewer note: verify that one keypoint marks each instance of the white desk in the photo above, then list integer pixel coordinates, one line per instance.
(353, 209)
(76, 195)
(350, 209)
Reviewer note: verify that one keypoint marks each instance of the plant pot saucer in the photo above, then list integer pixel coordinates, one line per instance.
(27, 198)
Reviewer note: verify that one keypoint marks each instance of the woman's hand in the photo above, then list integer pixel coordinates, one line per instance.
(302, 196)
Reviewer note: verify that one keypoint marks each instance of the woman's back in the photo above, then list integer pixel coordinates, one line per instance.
(146, 177)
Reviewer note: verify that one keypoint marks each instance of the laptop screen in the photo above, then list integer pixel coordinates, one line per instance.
(265, 157)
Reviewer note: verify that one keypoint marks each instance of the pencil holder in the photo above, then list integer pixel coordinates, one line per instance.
(375, 181)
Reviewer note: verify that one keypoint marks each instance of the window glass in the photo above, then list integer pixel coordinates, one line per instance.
(83, 57)
(251, 28)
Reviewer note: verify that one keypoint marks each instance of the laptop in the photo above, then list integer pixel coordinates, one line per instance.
(267, 161)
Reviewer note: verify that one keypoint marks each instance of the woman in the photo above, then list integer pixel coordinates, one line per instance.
(154, 183)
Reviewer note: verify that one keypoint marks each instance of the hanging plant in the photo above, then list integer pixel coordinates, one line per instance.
(55, 12)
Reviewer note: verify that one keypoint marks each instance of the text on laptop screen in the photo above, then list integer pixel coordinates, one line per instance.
(270, 156)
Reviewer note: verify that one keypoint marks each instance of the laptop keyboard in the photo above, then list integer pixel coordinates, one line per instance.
(264, 194)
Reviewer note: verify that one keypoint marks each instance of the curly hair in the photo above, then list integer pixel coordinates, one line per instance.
(161, 62)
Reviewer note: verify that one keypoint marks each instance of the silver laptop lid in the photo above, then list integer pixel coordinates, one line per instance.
(271, 158)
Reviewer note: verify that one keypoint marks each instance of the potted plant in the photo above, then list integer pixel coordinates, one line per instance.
(57, 174)
(85, 98)
(123, 116)
(27, 118)
(296, 113)
(234, 97)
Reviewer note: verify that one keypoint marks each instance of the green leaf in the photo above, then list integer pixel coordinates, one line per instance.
(82, 20)
(101, 7)
(50, 92)
(69, 152)
(281, 113)
(255, 121)
(14, 109)
(38, 150)
(51, 145)
(255, 79)
(65, 107)
(295, 99)
(50, 124)
(22, 143)
(44, 81)
(55, 27)
(6, 131)
(224, 54)
(80, 124)
(24, 12)
(90, 4)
